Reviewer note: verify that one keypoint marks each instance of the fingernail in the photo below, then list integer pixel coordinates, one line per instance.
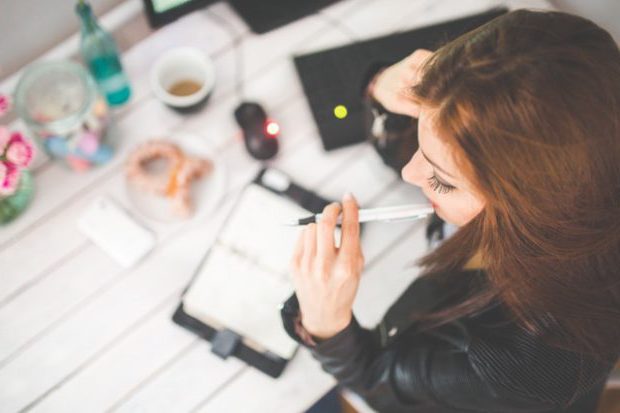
(348, 197)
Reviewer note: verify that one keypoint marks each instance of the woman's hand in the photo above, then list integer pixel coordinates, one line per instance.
(326, 277)
(391, 85)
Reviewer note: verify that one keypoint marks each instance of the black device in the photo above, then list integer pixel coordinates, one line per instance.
(160, 12)
(265, 15)
(261, 15)
(259, 133)
(334, 80)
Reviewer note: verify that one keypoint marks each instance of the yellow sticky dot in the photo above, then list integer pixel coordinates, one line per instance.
(340, 112)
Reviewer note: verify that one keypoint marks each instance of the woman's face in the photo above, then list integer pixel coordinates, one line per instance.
(433, 169)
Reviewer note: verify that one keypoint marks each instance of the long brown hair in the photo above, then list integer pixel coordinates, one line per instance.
(530, 105)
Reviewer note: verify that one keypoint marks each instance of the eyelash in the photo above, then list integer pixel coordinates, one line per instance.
(438, 186)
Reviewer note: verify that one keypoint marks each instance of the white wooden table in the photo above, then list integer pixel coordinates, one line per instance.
(80, 334)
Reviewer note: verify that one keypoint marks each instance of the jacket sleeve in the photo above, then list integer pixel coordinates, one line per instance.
(415, 370)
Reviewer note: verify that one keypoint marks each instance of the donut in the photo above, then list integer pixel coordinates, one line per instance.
(175, 181)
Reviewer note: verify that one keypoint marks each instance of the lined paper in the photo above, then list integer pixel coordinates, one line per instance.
(245, 277)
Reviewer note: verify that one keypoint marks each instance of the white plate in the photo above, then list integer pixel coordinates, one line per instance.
(206, 192)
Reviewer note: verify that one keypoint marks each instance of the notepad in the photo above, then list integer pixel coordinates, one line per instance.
(245, 276)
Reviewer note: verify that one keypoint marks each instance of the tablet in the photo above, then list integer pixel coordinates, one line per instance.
(160, 12)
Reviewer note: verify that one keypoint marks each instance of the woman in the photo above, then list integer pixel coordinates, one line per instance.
(518, 311)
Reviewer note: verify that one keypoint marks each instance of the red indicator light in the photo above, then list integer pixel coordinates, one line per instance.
(272, 128)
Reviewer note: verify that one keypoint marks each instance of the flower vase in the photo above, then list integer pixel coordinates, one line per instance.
(11, 206)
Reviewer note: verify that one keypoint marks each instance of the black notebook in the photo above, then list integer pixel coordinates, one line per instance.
(235, 296)
(338, 76)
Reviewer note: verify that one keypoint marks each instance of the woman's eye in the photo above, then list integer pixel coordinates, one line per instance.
(438, 186)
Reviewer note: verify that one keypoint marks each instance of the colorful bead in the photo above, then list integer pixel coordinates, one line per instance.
(103, 154)
(78, 164)
(56, 146)
(100, 109)
(88, 143)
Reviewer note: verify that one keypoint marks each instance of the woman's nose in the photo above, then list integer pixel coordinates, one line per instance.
(412, 171)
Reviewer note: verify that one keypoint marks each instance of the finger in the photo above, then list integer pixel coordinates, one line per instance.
(407, 106)
(350, 243)
(415, 63)
(298, 251)
(418, 57)
(404, 106)
(325, 231)
(309, 247)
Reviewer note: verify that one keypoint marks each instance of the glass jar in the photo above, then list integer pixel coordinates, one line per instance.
(11, 206)
(59, 103)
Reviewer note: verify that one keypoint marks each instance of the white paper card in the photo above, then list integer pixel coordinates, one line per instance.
(113, 230)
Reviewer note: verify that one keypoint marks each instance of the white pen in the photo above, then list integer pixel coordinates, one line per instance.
(386, 214)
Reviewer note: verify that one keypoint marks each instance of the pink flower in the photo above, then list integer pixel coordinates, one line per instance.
(9, 178)
(19, 150)
(5, 105)
(5, 135)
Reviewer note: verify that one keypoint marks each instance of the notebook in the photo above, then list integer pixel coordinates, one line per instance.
(235, 296)
(339, 76)
(245, 277)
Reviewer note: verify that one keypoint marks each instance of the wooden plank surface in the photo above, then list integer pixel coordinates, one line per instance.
(80, 333)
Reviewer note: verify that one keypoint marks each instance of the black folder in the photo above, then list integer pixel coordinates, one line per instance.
(338, 76)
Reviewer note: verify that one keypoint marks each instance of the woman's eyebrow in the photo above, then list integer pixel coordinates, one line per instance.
(435, 165)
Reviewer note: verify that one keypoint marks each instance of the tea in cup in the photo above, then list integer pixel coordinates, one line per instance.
(183, 78)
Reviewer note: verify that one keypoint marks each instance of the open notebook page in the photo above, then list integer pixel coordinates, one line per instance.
(245, 277)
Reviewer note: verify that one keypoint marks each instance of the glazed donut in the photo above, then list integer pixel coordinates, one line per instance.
(191, 169)
(175, 181)
(146, 153)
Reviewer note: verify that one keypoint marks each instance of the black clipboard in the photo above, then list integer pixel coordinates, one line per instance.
(225, 342)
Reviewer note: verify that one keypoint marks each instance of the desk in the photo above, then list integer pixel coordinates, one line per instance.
(79, 333)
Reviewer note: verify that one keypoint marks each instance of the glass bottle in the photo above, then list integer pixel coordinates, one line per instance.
(100, 54)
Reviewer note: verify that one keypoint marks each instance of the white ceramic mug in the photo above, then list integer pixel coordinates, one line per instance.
(183, 64)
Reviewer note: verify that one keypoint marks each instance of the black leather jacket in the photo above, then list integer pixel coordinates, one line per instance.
(480, 363)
